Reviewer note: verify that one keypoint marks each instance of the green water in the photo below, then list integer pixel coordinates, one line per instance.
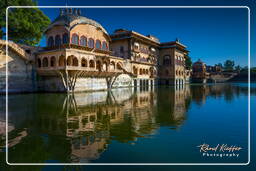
(164, 125)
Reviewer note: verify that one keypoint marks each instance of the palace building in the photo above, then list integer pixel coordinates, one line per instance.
(81, 55)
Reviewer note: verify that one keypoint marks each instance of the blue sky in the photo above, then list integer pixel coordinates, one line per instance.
(212, 35)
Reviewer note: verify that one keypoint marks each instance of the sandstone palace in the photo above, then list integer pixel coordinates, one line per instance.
(80, 55)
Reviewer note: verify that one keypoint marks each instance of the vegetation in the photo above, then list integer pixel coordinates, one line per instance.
(229, 65)
(188, 63)
(25, 25)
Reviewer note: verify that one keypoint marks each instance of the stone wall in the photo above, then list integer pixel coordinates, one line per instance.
(21, 74)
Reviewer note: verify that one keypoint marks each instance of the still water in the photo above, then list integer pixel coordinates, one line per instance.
(164, 125)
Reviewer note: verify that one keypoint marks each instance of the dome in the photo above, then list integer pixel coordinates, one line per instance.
(70, 18)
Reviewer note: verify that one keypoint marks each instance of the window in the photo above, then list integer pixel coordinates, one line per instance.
(65, 38)
(45, 62)
(98, 44)
(104, 46)
(83, 41)
(91, 43)
(136, 45)
(53, 61)
(57, 40)
(75, 39)
(167, 60)
(50, 42)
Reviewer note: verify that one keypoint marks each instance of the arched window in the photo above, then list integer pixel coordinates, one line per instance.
(61, 60)
(53, 61)
(75, 39)
(112, 66)
(84, 63)
(98, 65)
(65, 38)
(104, 46)
(39, 63)
(50, 41)
(167, 60)
(91, 64)
(69, 61)
(135, 70)
(45, 62)
(75, 61)
(91, 43)
(105, 66)
(118, 66)
(57, 40)
(83, 41)
(98, 44)
(140, 71)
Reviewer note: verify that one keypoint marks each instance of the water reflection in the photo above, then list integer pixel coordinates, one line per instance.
(80, 127)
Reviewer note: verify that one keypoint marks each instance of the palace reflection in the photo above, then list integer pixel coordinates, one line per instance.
(79, 127)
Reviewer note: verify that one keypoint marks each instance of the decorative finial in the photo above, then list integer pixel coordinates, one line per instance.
(177, 40)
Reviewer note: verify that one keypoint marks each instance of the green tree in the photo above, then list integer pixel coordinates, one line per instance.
(188, 63)
(238, 68)
(25, 25)
(220, 65)
(229, 65)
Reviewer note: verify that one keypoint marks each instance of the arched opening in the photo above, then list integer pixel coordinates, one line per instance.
(91, 43)
(166, 60)
(39, 63)
(65, 38)
(53, 61)
(112, 66)
(45, 62)
(98, 65)
(91, 64)
(135, 70)
(147, 71)
(140, 71)
(83, 41)
(75, 39)
(84, 62)
(57, 40)
(69, 61)
(98, 44)
(105, 66)
(119, 67)
(50, 41)
(61, 60)
(104, 46)
(151, 72)
(74, 61)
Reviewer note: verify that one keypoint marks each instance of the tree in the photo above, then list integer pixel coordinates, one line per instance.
(229, 65)
(188, 63)
(219, 65)
(238, 68)
(25, 25)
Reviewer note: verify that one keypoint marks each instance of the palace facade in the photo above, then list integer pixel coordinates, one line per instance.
(80, 55)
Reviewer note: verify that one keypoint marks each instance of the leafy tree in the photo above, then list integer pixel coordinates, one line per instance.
(25, 25)
(229, 65)
(188, 63)
(220, 65)
(238, 68)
